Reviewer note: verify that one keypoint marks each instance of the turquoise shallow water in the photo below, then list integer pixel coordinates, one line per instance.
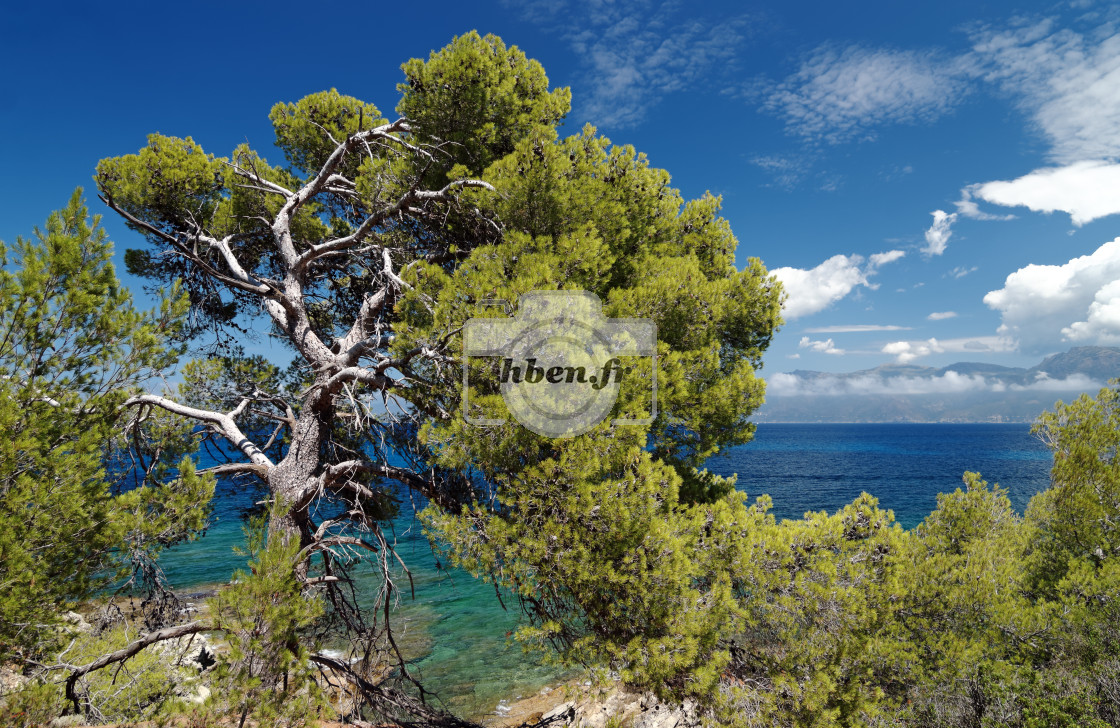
(457, 630)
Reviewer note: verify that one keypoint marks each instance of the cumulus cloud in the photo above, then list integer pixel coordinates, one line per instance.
(950, 382)
(1102, 325)
(843, 94)
(907, 351)
(1043, 305)
(815, 289)
(941, 315)
(1086, 190)
(822, 347)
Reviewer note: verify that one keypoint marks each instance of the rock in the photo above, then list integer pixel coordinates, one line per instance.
(76, 622)
(598, 712)
(562, 714)
(10, 679)
(198, 696)
(656, 714)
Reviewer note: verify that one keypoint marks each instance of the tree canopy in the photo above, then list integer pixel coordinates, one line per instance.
(367, 250)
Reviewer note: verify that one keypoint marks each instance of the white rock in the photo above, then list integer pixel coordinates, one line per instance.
(564, 712)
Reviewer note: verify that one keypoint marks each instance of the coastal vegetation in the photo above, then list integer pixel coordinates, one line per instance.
(365, 253)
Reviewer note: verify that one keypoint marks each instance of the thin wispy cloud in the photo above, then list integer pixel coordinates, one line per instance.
(941, 315)
(786, 171)
(1068, 83)
(856, 329)
(845, 94)
(636, 53)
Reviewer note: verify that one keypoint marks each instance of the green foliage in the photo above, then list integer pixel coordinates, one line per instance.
(144, 687)
(607, 538)
(72, 347)
(265, 614)
(1079, 517)
(1013, 621)
(623, 552)
(480, 98)
(620, 547)
(32, 705)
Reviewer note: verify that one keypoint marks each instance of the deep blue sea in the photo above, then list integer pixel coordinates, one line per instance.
(457, 632)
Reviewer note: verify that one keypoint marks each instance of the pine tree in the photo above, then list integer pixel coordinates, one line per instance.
(367, 250)
(72, 350)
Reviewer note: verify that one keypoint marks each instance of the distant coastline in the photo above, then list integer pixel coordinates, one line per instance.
(961, 393)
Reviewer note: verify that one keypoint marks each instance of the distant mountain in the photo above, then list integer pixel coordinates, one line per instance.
(1096, 362)
(962, 392)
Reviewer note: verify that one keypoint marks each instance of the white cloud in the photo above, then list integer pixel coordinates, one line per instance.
(855, 328)
(633, 54)
(967, 207)
(1069, 86)
(1068, 83)
(1043, 305)
(1072, 383)
(815, 289)
(908, 351)
(937, 237)
(938, 234)
(879, 259)
(786, 171)
(950, 382)
(839, 95)
(941, 315)
(1087, 190)
(1102, 325)
(821, 347)
(961, 271)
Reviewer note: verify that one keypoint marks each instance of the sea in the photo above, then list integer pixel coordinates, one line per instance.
(456, 631)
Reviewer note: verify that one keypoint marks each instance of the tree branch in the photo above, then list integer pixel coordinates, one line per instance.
(356, 237)
(222, 422)
(128, 651)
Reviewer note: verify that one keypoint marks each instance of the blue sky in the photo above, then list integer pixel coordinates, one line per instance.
(933, 183)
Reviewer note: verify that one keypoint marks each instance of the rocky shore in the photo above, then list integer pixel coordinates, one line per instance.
(188, 659)
(583, 706)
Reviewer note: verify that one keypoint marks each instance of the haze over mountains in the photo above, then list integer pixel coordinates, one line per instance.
(962, 392)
